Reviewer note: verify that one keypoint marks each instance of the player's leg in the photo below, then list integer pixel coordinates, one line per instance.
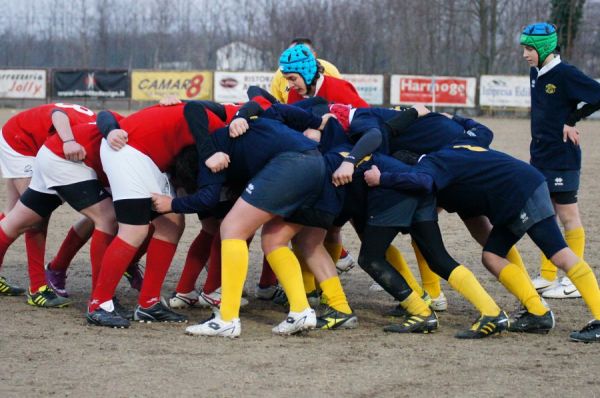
(492, 320)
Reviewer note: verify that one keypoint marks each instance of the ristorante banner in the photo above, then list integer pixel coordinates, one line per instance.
(23, 83)
(90, 83)
(232, 86)
(154, 85)
(438, 90)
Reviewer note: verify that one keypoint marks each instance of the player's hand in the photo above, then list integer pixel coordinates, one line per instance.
(117, 139)
(73, 151)
(217, 162)
(372, 176)
(169, 100)
(343, 174)
(161, 203)
(421, 110)
(324, 119)
(238, 127)
(571, 133)
(313, 134)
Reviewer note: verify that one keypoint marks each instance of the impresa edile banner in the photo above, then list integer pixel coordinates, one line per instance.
(438, 90)
(499, 90)
(23, 83)
(154, 85)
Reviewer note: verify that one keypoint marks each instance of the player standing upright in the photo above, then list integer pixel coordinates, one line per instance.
(556, 90)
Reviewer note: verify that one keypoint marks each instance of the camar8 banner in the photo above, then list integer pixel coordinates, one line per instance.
(154, 85)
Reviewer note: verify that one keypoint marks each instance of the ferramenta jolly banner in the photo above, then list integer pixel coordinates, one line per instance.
(23, 83)
(92, 83)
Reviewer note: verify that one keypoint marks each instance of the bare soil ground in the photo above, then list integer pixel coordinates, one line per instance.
(53, 353)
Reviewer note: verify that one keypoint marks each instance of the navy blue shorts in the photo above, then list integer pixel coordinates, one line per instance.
(562, 180)
(288, 182)
(537, 208)
(391, 208)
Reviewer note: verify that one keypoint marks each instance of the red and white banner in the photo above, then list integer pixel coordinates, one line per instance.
(232, 86)
(499, 90)
(438, 90)
(369, 87)
(23, 83)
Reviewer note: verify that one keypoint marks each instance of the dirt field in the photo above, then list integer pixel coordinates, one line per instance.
(53, 352)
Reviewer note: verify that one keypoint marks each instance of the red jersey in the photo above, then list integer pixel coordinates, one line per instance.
(88, 136)
(333, 90)
(161, 132)
(26, 131)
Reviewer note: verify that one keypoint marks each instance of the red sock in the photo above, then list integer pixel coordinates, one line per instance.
(67, 251)
(158, 261)
(144, 247)
(344, 253)
(5, 243)
(213, 276)
(98, 246)
(117, 257)
(197, 256)
(35, 244)
(267, 276)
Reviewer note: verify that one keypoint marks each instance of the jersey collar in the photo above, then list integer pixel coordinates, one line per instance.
(546, 68)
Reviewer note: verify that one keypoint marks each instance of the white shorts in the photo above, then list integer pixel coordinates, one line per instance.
(12, 163)
(132, 174)
(50, 170)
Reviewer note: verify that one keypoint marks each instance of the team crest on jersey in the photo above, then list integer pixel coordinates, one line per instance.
(550, 88)
(523, 216)
(558, 182)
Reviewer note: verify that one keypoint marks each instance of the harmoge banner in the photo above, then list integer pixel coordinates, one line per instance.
(232, 86)
(438, 90)
(154, 85)
(369, 87)
(23, 83)
(498, 90)
(93, 83)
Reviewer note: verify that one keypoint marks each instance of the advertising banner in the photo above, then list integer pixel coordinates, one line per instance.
(447, 90)
(92, 83)
(154, 85)
(370, 87)
(498, 90)
(232, 86)
(23, 83)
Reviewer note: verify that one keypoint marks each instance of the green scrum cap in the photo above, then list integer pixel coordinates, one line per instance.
(542, 37)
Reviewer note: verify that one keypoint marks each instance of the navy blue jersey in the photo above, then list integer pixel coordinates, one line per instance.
(248, 154)
(427, 134)
(503, 181)
(554, 98)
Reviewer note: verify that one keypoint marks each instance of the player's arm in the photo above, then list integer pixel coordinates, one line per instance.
(582, 88)
(475, 129)
(109, 128)
(367, 144)
(71, 148)
(406, 181)
(404, 118)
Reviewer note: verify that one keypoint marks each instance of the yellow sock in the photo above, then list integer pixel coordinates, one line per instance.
(431, 280)
(287, 269)
(514, 257)
(394, 257)
(576, 240)
(547, 269)
(336, 298)
(415, 305)
(307, 276)
(234, 267)
(463, 281)
(518, 283)
(585, 281)
(334, 249)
